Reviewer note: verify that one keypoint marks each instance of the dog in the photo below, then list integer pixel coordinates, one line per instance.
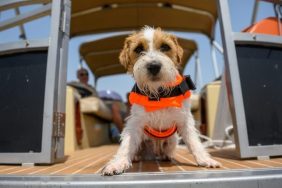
(154, 57)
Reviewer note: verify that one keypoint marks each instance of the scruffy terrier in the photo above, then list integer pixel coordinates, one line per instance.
(160, 102)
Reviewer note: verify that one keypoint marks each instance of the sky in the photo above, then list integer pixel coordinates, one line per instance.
(240, 10)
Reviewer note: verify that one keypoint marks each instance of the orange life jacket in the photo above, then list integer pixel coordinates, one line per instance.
(180, 91)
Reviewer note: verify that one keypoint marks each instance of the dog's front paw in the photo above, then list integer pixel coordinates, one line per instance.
(209, 162)
(116, 167)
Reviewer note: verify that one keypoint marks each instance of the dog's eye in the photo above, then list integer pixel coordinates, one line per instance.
(165, 48)
(139, 49)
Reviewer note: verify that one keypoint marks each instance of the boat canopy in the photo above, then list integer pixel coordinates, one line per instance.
(101, 56)
(97, 16)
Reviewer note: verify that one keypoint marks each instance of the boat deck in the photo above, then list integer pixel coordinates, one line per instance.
(91, 161)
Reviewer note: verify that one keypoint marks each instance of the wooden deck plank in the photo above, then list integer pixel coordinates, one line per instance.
(42, 168)
(91, 161)
(150, 166)
(136, 167)
(95, 166)
(187, 163)
(230, 156)
(68, 169)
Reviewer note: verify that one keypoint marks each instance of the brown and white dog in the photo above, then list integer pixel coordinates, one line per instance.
(153, 58)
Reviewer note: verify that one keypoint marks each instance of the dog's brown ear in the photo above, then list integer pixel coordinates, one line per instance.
(124, 56)
(179, 50)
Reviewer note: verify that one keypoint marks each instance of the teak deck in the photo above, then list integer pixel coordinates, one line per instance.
(91, 161)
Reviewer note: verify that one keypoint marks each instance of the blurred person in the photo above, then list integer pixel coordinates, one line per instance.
(84, 90)
(119, 112)
(82, 86)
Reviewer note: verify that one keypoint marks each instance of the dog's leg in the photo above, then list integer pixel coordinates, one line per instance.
(191, 138)
(169, 147)
(131, 138)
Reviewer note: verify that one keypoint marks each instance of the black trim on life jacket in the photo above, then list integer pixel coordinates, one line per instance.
(186, 85)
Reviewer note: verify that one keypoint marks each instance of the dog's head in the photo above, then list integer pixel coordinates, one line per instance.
(153, 57)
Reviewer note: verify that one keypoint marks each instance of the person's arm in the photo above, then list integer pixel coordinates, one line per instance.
(117, 119)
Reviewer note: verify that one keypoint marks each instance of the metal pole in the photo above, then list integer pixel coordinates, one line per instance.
(255, 11)
(217, 46)
(278, 13)
(95, 81)
(26, 17)
(80, 62)
(214, 62)
(198, 71)
(22, 30)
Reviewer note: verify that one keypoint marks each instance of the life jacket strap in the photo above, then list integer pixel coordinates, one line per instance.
(155, 134)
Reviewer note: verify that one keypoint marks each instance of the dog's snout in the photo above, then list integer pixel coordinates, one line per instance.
(154, 67)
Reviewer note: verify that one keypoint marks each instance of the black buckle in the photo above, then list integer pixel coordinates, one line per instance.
(187, 84)
(190, 83)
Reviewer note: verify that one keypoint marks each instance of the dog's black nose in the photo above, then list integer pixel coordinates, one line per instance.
(154, 67)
